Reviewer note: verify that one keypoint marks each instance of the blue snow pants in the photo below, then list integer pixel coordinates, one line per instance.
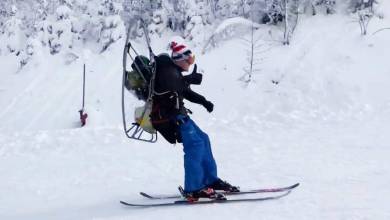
(199, 165)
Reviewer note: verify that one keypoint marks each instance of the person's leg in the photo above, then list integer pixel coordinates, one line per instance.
(193, 147)
(211, 178)
(208, 162)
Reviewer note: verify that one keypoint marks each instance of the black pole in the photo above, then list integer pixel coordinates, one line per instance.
(83, 86)
(83, 116)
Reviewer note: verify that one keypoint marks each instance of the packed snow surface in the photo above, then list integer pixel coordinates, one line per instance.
(316, 112)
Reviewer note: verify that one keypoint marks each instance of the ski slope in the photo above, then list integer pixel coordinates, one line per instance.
(325, 124)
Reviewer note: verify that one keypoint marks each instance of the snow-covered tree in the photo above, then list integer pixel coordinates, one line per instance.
(358, 5)
(13, 35)
(134, 10)
(65, 25)
(364, 10)
(111, 23)
(253, 56)
(328, 6)
(291, 12)
(271, 11)
(178, 14)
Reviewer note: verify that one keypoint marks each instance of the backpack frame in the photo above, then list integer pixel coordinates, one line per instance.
(141, 129)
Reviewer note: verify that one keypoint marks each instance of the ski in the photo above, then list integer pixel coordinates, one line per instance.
(202, 202)
(265, 190)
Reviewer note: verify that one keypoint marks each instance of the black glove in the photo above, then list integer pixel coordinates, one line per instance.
(194, 78)
(209, 106)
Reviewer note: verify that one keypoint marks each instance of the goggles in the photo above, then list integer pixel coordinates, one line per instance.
(187, 56)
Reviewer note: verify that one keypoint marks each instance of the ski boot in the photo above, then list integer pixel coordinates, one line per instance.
(207, 192)
(220, 185)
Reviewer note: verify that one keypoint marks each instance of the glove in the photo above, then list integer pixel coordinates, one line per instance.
(194, 78)
(208, 105)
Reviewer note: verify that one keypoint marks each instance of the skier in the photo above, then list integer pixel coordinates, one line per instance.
(170, 118)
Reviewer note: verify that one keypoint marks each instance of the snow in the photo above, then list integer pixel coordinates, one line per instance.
(325, 125)
(230, 28)
(236, 21)
(63, 12)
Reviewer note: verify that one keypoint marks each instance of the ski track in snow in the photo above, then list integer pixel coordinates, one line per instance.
(325, 125)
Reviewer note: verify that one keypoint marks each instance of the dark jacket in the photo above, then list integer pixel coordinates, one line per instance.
(170, 87)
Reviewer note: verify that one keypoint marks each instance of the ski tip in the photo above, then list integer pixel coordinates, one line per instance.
(124, 203)
(131, 204)
(295, 185)
(145, 195)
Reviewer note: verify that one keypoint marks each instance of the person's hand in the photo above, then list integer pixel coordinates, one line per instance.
(195, 77)
(209, 106)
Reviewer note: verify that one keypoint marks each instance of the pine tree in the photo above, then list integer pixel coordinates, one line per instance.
(111, 23)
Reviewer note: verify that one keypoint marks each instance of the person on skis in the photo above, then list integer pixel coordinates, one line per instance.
(170, 118)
